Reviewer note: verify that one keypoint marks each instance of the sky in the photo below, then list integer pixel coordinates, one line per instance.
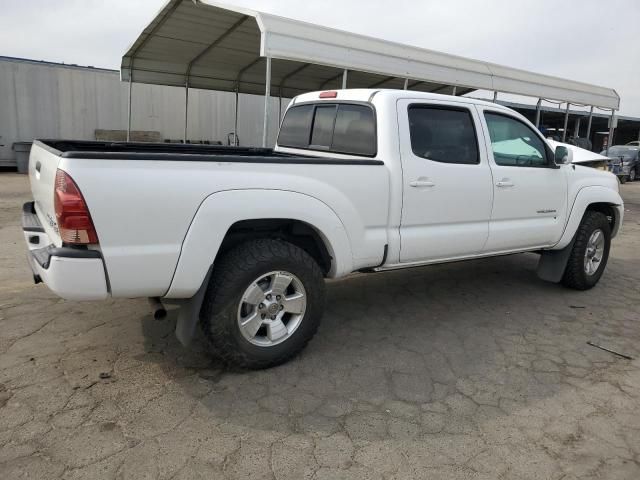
(593, 41)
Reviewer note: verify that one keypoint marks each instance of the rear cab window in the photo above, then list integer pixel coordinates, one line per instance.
(343, 128)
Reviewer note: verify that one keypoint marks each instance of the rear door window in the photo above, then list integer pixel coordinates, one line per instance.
(339, 128)
(443, 134)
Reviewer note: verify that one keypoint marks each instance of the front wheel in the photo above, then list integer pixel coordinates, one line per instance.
(590, 252)
(264, 303)
(633, 175)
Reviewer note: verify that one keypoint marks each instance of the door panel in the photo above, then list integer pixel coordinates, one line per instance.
(530, 197)
(446, 206)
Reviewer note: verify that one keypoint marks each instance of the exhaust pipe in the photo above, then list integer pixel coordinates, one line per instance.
(159, 312)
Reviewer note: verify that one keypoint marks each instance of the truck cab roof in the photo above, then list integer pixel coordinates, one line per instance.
(369, 94)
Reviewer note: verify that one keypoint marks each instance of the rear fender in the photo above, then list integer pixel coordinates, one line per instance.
(221, 210)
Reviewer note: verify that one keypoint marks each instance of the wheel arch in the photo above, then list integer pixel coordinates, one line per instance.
(595, 198)
(226, 218)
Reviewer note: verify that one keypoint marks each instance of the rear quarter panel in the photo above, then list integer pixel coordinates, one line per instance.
(142, 210)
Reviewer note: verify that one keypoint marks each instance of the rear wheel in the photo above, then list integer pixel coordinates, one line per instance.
(264, 303)
(633, 174)
(590, 252)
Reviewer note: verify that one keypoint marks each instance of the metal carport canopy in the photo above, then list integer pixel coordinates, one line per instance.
(209, 45)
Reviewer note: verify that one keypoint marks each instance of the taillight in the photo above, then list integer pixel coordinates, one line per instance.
(74, 221)
(332, 94)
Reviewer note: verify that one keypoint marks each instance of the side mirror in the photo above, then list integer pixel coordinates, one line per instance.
(563, 155)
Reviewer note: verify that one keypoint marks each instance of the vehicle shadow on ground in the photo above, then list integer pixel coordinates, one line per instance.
(439, 343)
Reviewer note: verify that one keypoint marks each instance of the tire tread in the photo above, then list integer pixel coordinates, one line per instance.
(227, 279)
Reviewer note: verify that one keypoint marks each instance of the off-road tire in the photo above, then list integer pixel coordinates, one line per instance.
(574, 275)
(232, 275)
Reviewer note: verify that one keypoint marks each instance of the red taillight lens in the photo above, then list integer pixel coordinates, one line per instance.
(331, 94)
(74, 221)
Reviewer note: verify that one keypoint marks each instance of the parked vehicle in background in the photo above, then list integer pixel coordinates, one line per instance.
(625, 162)
(360, 180)
(635, 143)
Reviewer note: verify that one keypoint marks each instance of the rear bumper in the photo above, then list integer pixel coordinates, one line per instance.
(71, 273)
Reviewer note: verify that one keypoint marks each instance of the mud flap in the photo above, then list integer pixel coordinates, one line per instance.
(189, 313)
(553, 263)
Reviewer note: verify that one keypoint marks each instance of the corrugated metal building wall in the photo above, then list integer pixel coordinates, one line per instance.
(47, 100)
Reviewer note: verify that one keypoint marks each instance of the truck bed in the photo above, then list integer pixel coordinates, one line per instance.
(185, 152)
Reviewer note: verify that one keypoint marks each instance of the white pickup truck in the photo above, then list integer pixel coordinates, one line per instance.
(360, 180)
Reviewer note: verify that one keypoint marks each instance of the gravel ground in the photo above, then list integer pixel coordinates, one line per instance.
(473, 370)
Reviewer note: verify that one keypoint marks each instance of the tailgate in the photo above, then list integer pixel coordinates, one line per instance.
(43, 164)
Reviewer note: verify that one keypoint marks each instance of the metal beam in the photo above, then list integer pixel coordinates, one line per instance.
(295, 72)
(132, 58)
(589, 124)
(414, 84)
(195, 59)
(215, 43)
(566, 122)
(267, 95)
(345, 76)
(382, 82)
(538, 111)
(244, 69)
(329, 80)
(440, 89)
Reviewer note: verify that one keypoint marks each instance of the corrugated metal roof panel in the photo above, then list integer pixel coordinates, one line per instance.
(226, 49)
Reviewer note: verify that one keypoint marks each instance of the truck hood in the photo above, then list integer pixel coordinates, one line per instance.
(580, 155)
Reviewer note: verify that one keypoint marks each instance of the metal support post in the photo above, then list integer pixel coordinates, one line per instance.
(453, 90)
(576, 128)
(345, 74)
(186, 110)
(495, 96)
(235, 119)
(129, 109)
(267, 95)
(612, 128)
(566, 122)
(406, 84)
(538, 111)
(589, 124)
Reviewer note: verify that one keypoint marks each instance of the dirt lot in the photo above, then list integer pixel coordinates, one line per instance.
(474, 370)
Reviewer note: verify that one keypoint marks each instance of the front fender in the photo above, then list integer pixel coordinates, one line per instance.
(221, 210)
(585, 197)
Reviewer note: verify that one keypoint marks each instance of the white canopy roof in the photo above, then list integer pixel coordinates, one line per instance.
(220, 47)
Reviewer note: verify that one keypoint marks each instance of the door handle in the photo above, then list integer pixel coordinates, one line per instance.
(422, 183)
(504, 183)
(38, 166)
